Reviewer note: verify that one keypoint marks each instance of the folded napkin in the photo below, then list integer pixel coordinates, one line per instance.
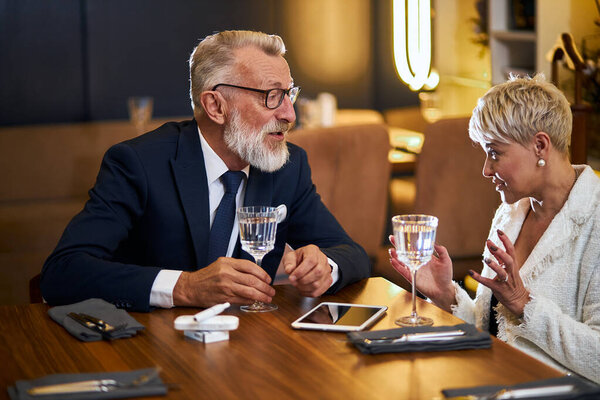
(98, 308)
(154, 386)
(584, 389)
(472, 339)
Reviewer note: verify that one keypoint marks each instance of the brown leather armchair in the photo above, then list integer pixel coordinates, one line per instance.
(351, 171)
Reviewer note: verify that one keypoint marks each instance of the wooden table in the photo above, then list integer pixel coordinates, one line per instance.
(265, 358)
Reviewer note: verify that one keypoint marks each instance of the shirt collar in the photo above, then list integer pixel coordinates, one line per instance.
(214, 165)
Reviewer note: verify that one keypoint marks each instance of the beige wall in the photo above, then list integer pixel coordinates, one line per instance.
(329, 45)
(455, 54)
(464, 66)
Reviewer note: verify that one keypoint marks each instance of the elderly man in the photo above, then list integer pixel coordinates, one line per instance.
(151, 234)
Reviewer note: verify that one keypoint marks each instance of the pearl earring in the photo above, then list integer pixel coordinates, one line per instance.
(541, 162)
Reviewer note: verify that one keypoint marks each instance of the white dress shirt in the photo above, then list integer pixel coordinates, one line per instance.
(161, 294)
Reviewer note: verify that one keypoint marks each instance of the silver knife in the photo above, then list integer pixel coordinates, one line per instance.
(531, 393)
(98, 385)
(525, 393)
(95, 385)
(418, 337)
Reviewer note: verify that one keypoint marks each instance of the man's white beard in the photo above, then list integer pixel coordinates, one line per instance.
(251, 147)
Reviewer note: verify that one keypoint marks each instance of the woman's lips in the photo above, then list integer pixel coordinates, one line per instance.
(499, 185)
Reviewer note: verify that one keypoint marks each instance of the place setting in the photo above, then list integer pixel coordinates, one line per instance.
(100, 385)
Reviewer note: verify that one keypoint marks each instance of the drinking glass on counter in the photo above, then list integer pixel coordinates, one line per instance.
(258, 227)
(415, 236)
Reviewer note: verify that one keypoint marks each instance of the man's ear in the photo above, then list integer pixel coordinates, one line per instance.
(214, 105)
(542, 143)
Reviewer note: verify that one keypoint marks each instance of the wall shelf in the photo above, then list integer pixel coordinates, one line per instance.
(517, 36)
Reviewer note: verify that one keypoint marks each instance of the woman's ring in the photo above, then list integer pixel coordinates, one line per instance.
(498, 279)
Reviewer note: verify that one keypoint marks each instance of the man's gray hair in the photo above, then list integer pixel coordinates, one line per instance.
(516, 110)
(212, 59)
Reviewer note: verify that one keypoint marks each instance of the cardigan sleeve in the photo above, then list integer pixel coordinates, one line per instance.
(465, 306)
(576, 345)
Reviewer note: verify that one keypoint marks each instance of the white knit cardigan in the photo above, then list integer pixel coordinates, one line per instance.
(561, 324)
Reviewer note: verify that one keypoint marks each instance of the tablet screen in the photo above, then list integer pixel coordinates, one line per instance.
(339, 316)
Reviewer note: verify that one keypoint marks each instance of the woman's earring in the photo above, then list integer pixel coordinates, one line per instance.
(541, 162)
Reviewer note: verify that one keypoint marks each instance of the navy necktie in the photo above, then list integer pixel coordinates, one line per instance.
(220, 232)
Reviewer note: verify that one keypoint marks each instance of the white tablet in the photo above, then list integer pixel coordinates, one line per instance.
(341, 317)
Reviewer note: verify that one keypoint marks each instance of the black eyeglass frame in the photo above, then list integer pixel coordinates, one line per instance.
(292, 93)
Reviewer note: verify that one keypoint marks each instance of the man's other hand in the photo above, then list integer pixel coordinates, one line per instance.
(308, 270)
(225, 280)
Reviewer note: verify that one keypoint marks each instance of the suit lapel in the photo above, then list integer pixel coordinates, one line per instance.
(190, 177)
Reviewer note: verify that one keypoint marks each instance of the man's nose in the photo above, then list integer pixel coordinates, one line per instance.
(285, 112)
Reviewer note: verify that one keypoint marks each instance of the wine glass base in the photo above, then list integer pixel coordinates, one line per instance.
(414, 321)
(259, 307)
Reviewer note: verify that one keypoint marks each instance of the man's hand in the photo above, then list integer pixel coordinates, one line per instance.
(308, 270)
(226, 280)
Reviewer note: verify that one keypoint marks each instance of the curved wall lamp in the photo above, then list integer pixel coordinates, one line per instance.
(412, 43)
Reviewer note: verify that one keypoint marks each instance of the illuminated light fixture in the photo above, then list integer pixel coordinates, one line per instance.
(412, 43)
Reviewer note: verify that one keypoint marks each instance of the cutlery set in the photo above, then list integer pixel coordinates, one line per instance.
(105, 329)
(96, 385)
(417, 337)
(525, 393)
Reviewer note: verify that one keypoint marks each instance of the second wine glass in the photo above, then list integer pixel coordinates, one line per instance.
(415, 236)
(258, 227)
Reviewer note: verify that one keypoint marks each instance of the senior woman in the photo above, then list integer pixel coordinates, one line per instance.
(540, 285)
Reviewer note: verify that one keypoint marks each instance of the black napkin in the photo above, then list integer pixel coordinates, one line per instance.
(100, 309)
(154, 387)
(473, 339)
(584, 389)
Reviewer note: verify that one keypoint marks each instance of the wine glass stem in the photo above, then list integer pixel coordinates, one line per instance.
(258, 260)
(413, 273)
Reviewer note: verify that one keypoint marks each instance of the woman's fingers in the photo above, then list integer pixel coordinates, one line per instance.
(508, 245)
(502, 256)
(398, 266)
(442, 252)
(501, 273)
(491, 283)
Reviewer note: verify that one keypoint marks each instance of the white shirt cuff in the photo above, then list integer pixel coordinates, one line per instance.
(335, 271)
(161, 294)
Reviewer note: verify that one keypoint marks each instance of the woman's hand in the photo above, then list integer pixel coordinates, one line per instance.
(507, 286)
(434, 278)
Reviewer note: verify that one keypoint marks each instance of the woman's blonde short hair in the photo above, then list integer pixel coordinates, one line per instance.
(516, 110)
(212, 59)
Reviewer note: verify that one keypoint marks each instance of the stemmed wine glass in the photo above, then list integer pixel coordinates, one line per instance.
(258, 226)
(414, 235)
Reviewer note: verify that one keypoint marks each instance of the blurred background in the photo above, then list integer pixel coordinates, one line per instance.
(79, 60)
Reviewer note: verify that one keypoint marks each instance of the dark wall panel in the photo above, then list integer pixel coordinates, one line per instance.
(390, 91)
(141, 47)
(41, 75)
(78, 60)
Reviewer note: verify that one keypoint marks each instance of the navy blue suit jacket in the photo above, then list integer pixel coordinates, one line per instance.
(149, 210)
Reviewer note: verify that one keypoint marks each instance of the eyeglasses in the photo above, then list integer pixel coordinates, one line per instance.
(273, 97)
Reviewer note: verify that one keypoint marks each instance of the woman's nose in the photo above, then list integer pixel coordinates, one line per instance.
(487, 170)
